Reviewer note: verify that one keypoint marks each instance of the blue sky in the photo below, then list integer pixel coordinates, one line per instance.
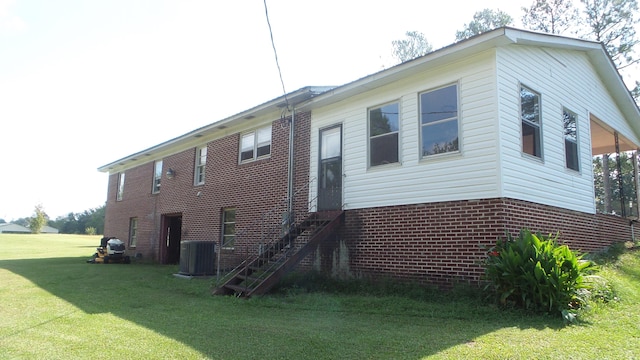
(84, 83)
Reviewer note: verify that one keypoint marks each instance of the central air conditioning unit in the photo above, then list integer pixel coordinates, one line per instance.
(197, 258)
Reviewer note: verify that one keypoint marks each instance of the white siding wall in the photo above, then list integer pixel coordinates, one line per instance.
(563, 78)
(471, 174)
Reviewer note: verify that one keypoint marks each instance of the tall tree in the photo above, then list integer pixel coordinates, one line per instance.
(550, 16)
(612, 22)
(605, 180)
(39, 219)
(414, 45)
(483, 21)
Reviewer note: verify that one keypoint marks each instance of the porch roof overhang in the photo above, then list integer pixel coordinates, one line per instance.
(603, 139)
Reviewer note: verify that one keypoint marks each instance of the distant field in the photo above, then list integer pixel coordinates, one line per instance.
(56, 306)
(35, 246)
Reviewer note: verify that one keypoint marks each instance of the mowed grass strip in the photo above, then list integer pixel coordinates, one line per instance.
(53, 305)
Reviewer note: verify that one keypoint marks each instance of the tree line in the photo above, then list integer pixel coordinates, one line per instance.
(610, 22)
(90, 222)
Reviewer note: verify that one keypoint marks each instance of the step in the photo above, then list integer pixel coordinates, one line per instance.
(238, 288)
(253, 279)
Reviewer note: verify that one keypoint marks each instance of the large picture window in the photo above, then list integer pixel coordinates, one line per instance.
(531, 122)
(569, 121)
(439, 120)
(383, 134)
(201, 163)
(255, 145)
(157, 176)
(228, 228)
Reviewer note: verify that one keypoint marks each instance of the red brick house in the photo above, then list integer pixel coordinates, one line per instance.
(407, 173)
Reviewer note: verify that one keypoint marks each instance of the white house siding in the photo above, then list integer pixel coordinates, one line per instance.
(470, 174)
(563, 78)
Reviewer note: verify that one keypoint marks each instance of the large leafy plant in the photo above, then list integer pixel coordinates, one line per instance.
(535, 272)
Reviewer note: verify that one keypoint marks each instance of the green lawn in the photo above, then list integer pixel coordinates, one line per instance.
(53, 305)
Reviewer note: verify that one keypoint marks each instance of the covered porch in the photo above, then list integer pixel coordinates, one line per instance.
(615, 171)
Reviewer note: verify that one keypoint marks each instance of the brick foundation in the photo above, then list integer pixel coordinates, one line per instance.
(443, 243)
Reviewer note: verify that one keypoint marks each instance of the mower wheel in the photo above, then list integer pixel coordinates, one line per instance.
(106, 259)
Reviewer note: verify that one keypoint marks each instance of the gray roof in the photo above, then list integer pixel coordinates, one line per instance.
(13, 228)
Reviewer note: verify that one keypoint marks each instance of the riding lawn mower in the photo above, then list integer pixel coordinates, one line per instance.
(111, 250)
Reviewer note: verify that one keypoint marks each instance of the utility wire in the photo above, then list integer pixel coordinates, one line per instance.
(275, 53)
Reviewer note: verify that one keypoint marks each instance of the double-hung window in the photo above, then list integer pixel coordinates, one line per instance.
(383, 134)
(255, 145)
(531, 122)
(201, 162)
(228, 228)
(157, 176)
(120, 186)
(570, 124)
(133, 232)
(439, 120)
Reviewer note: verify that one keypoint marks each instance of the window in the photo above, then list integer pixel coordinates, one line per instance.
(157, 175)
(570, 139)
(530, 116)
(133, 232)
(255, 145)
(201, 162)
(120, 187)
(439, 120)
(383, 134)
(228, 228)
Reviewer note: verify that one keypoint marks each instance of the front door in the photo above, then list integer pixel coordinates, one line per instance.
(330, 171)
(171, 237)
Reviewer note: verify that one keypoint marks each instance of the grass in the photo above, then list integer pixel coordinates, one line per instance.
(55, 306)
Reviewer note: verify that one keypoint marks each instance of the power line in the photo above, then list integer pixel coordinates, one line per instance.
(275, 53)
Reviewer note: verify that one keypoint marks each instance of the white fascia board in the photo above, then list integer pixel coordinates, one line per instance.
(193, 138)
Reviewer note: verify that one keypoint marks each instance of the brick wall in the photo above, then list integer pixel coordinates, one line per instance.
(252, 188)
(443, 243)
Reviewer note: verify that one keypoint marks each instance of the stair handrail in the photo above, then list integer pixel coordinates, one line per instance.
(268, 214)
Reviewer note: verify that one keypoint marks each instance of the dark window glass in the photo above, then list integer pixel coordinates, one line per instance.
(439, 120)
(383, 134)
(530, 116)
(570, 139)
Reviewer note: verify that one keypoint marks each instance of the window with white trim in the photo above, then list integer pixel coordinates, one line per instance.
(120, 186)
(439, 121)
(255, 145)
(570, 125)
(384, 126)
(201, 162)
(157, 176)
(531, 122)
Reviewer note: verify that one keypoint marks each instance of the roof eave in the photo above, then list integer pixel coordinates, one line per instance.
(274, 105)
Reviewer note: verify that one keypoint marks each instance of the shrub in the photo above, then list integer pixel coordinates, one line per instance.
(535, 272)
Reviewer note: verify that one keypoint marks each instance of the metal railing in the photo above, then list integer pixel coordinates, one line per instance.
(268, 229)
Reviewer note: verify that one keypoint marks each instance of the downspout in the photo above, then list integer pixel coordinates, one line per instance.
(291, 172)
